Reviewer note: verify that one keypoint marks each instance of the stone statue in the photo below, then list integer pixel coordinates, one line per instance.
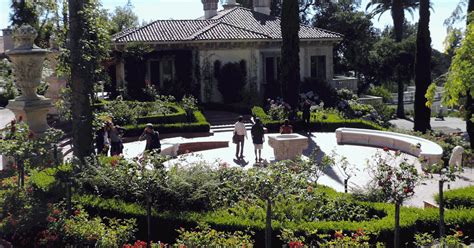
(456, 157)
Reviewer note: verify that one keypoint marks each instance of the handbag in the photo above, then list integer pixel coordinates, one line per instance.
(234, 138)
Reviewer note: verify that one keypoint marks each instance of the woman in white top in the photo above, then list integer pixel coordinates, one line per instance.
(241, 133)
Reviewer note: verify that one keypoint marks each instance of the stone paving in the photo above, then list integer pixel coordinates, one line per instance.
(451, 122)
(334, 177)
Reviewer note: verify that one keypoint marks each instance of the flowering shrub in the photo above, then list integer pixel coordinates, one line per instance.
(207, 237)
(394, 175)
(28, 149)
(278, 109)
(80, 229)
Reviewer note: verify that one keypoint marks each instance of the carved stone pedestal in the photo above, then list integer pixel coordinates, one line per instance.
(287, 146)
(32, 112)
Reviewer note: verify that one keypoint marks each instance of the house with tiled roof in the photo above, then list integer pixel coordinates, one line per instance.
(183, 53)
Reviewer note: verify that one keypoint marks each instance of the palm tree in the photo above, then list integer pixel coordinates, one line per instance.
(422, 68)
(397, 8)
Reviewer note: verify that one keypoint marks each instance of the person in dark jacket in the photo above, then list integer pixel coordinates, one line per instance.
(307, 115)
(115, 135)
(102, 141)
(258, 138)
(152, 138)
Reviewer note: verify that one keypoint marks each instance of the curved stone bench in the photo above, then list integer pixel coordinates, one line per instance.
(428, 150)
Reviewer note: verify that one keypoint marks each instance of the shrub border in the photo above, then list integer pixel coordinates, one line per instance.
(319, 126)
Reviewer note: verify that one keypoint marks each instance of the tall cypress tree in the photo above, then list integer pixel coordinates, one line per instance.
(422, 68)
(290, 62)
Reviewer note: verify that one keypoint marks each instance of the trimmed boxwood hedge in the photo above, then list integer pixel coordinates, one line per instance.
(199, 125)
(178, 115)
(458, 198)
(330, 124)
(412, 220)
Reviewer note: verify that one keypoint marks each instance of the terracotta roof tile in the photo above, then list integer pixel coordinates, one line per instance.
(232, 24)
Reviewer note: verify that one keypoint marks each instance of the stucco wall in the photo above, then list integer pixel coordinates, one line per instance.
(254, 59)
(224, 56)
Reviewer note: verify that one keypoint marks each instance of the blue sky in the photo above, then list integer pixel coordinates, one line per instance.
(149, 10)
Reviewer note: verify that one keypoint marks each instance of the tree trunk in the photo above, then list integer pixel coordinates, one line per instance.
(81, 81)
(469, 101)
(441, 210)
(398, 17)
(401, 89)
(470, 114)
(268, 227)
(290, 61)
(422, 68)
(396, 236)
(148, 221)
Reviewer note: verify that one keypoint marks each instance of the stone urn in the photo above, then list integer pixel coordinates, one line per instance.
(287, 146)
(27, 60)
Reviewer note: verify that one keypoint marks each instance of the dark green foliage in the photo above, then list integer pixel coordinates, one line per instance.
(458, 198)
(325, 92)
(324, 123)
(381, 91)
(359, 35)
(24, 12)
(422, 69)
(200, 125)
(290, 61)
(231, 79)
(123, 18)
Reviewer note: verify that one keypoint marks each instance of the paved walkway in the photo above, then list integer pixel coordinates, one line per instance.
(451, 122)
(357, 157)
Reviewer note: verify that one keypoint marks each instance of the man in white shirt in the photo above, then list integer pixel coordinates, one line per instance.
(241, 133)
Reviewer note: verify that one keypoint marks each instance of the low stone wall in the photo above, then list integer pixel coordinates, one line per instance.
(372, 100)
(415, 146)
(201, 146)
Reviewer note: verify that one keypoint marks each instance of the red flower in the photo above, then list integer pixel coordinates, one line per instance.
(51, 219)
(296, 244)
(385, 149)
(29, 190)
(20, 118)
(77, 212)
(459, 233)
(56, 211)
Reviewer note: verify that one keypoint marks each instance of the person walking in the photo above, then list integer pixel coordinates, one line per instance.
(258, 139)
(152, 138)
(116, 147)
(307, 115)
(286, 128)
(241, 134)
(102, 141)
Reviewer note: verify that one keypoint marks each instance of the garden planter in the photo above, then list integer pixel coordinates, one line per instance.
(287, 146)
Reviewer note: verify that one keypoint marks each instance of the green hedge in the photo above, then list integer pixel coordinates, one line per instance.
(200, 124)
(412, 220)
(458, 198)
(178, 116)
(329, 124)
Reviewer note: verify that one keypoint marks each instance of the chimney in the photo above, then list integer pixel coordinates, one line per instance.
(229, 4)
(210, 8)
(262, 6)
